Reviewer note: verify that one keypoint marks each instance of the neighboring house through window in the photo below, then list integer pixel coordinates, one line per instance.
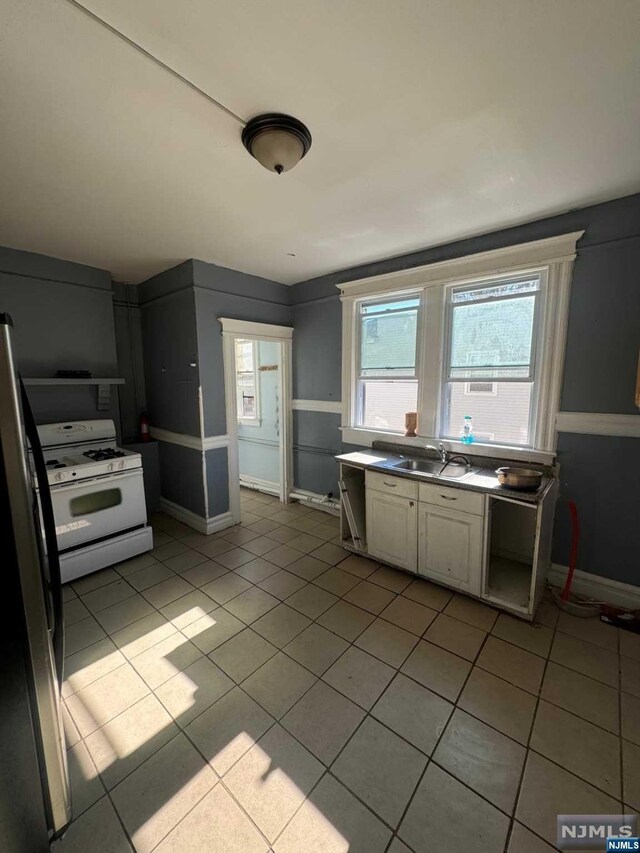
(387, 385)
(482, 336)
(247, 382)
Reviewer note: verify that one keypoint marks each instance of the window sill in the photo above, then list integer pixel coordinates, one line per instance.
(250, 423)
(365, 438)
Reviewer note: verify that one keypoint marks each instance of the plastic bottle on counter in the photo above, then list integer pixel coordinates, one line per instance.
(467, 430)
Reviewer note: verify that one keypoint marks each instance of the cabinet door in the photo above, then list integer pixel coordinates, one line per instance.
(392, 534)
(450, 547)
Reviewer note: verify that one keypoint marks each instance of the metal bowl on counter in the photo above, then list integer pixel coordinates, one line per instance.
(522, 479)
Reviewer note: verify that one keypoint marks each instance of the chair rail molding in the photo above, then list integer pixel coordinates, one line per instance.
(193, 442)
(333, 407)
(597, 423)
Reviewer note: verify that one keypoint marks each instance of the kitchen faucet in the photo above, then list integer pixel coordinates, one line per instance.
(440, 450)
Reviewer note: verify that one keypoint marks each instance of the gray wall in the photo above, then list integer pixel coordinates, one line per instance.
(128, 330)
(170, 348)
(316, 441)
(63, 319)
(181, 476)
(180, 311)
(220, 292)
(600, 368)
(217, 481)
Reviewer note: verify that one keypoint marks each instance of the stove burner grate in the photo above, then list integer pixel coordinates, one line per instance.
(103, 453)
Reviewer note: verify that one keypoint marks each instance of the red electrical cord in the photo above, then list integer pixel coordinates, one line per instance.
(573, 555)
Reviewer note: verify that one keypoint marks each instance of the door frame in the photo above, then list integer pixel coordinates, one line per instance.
(283, 335)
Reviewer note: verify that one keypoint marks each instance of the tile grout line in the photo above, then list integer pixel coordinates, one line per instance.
(528, 748)
(437, 743)
(317, 678)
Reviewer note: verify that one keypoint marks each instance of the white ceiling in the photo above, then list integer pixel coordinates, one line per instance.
(431, 120)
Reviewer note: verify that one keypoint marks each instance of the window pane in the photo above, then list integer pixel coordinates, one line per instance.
(388, 338)
(248, 406)
(502, 417)
(246, 379)
(492, 338)
(384, 403)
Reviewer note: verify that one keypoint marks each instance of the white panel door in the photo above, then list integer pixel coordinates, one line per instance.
(392, 534)
(450, 547)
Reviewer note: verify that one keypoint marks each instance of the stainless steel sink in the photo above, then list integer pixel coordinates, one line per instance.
(429, 468)
(419, 466)
(456, 471)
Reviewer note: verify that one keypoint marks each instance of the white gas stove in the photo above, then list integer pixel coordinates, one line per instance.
(97, 491)
(83, 449)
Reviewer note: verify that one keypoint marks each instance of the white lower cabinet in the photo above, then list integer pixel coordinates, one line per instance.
(450, 547)
(392, 529)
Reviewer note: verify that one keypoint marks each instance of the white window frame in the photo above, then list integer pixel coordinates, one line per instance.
(257, 420)
(537, 345)
(358, 377)
(553, 257)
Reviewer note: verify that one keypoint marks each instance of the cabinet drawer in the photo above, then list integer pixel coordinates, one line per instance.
(457, 499)
(391, 485)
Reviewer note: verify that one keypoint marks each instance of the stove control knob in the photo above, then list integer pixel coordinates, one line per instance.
(110, 466)
(59, 476)
(120, 464)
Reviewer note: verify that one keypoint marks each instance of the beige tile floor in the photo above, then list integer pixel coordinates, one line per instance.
(263, 690)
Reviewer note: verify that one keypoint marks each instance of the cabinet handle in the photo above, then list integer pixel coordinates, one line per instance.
(392, 485)
(410, 503)
(446, 498)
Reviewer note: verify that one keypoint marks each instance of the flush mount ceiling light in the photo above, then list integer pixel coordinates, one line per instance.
(277, 141)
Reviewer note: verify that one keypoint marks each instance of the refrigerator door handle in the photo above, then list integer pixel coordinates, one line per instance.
(49, 525)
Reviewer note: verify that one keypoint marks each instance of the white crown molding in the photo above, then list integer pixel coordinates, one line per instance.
(493, 262)
(594, 423)
(261, 331)
(193, 442)
(329, 406)
(197, 522)
(597, 587)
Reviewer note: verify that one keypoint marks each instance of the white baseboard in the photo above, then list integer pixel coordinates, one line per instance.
(198, 522)
(330, 506)
(219, 522)
(597, 587)
(266, 486)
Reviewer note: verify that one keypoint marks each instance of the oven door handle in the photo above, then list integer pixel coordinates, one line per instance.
(49, 525)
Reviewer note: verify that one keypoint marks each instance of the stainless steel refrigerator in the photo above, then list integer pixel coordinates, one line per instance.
(34, 787)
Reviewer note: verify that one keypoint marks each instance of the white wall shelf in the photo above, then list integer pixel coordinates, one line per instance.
(55, 380)
(103, 384)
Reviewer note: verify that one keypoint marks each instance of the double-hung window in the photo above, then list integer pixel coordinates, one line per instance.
(387, 382)
(491, 360)
(480, 336)
(247, 383)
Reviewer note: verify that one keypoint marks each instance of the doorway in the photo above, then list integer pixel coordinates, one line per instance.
(257, 369)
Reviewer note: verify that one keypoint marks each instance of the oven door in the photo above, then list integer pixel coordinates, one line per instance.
(96, 509)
